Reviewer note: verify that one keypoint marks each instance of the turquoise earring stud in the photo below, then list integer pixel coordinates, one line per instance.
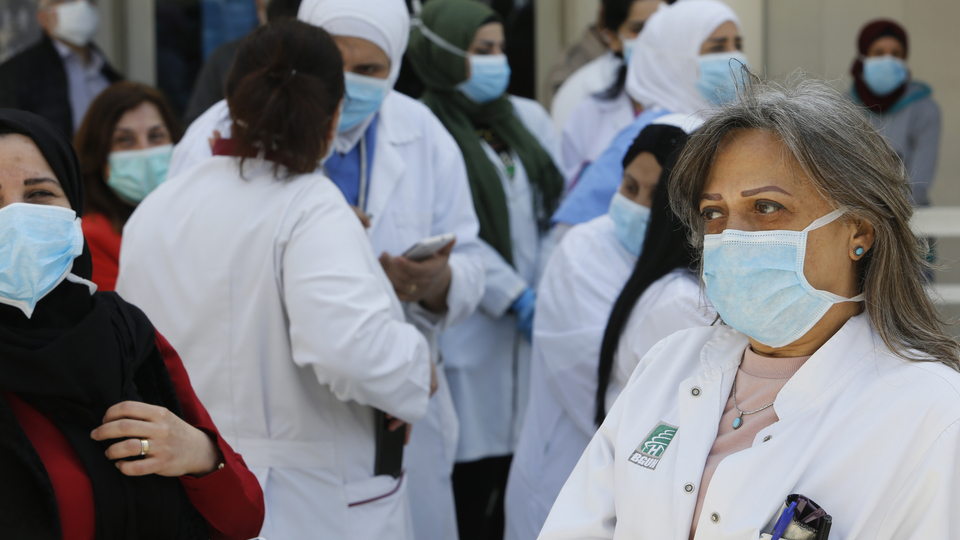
(859, 251)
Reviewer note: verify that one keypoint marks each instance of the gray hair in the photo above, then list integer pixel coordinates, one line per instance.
(853, 166)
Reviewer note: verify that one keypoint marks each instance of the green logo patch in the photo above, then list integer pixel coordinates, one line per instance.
(650, 451)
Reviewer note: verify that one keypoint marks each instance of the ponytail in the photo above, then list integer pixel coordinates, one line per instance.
(283, 92)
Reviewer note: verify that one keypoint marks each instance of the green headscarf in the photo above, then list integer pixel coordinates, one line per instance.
(441, 70)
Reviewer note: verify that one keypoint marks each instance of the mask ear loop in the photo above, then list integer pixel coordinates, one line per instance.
(436, 39)
(820, 222)
(829, 218)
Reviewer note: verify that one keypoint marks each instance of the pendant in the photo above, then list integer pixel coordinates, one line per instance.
(738, 421)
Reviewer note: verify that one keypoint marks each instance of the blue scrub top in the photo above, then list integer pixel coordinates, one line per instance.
(344, 169)
(599, 181)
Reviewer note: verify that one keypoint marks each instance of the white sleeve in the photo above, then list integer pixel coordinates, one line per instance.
(453, 212)
(342, 325)
(926, 506)
(586, 506)
(503, 283)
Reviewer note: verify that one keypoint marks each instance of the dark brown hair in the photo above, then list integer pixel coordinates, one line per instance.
(283, 92)
(94, 141)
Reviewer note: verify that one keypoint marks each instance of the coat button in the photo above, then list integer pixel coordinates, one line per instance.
(767, 438)
(715, 517)
(688, 488)
(695, 391)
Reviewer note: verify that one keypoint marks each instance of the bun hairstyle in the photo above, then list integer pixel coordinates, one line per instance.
(283, 91)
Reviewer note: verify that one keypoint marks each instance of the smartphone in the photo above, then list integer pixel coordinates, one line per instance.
(389, 458)
(428, 246)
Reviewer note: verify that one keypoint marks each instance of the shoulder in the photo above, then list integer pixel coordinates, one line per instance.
(404, 119)
(528, 110)
(680, 354)
(927, 381)
(27, 59)
(594, 245)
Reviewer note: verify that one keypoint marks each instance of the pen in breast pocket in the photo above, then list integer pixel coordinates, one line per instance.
(785, 518)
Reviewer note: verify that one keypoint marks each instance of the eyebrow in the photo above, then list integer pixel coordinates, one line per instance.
(41, 180)
(752, 192)
(711, 197)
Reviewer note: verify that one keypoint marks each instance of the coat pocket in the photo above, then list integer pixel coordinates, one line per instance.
(379, 508)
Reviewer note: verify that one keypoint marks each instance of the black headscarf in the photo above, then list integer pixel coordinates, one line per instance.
(78, 355)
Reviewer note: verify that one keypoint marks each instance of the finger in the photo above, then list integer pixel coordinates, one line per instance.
(127, 448)
(395, 424)
(133, 409)
(140, 467)
(124, 427)
(406, 439)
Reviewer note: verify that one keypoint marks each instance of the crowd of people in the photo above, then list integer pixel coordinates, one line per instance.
(686, 303)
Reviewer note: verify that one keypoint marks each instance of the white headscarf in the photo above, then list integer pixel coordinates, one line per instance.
(663, 69)
(385, 23)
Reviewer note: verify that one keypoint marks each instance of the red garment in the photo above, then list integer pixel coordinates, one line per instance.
(104, 245)
(71, 485)
(230, 499)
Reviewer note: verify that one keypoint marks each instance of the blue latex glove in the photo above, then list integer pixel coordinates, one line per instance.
(524, 306)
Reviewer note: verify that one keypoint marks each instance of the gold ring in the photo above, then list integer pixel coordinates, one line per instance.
(144, 447)
(413, 288)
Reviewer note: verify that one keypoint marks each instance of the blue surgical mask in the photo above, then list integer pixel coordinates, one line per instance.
(135, 173)
(884, 74)
(719, 75)
(363, 98)
(489, 78)
(38, 244)
(755, 281)
(630, 222)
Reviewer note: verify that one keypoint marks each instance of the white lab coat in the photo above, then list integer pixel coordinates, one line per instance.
(418, 188)
(486, 359)
(582, 280)
(590, 129)
(591, 266)
(872, 438)
(672, 303)
(594, 76)
(291, 334)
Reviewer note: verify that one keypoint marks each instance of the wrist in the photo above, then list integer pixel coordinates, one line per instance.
(210, 459)
(436, 302)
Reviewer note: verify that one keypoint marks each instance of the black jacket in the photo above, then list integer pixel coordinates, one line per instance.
(36, 81)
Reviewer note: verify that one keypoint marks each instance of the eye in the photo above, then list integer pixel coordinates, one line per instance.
(710, 213)
(40, 194)
(767, 207)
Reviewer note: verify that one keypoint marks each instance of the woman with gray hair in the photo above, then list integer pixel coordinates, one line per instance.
(832, 378)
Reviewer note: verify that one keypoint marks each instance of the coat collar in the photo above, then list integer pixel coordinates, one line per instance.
(824, 374)
(396, 129)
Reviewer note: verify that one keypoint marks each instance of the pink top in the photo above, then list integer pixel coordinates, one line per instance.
(759, 380)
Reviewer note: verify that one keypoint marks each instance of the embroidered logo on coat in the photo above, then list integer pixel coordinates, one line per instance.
(650, 451)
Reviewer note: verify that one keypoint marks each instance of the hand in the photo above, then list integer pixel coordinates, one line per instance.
(524, 306)
(396, 423)
(364, 217)
(426, 281)
(176, 447)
